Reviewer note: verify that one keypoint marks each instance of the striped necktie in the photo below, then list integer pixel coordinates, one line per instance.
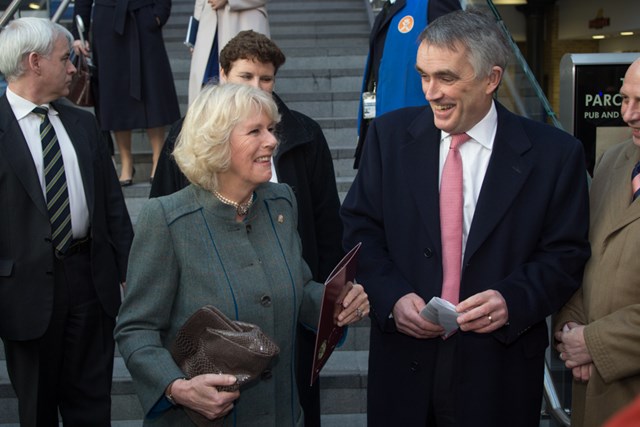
(451, 203)
(635, 182)
(56, 183)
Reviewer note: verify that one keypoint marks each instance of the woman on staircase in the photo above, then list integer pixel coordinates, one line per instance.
(228, 239)
(135, 83)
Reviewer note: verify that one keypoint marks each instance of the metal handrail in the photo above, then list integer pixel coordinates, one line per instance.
(15, 5)
(9, 12)
(517, 99)
(60, 10)
(554, 407)
(525, 67)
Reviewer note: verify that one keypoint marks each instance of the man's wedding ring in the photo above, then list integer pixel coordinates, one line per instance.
(490, 319)
(359, 313)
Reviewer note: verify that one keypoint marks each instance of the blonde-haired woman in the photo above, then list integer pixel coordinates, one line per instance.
(229, 239)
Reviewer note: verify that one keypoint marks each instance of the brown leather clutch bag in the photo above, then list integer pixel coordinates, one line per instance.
(210, 343)
(80, 89)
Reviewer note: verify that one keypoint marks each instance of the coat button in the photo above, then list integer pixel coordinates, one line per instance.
(414, 366)
(266, 375)
(428, 253)
(265, 301)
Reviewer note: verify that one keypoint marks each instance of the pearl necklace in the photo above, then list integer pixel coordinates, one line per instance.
(242, 209)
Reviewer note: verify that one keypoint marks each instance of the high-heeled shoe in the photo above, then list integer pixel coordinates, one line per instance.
(128, 182)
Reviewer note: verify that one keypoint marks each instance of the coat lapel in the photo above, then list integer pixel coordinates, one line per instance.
(420, 166)
(624, 211)
(14, 148)
(503, 181)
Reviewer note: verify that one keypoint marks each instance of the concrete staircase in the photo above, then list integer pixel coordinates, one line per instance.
(326, 44)
(343, 387)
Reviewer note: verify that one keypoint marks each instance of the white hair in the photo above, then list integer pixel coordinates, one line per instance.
(25, 35)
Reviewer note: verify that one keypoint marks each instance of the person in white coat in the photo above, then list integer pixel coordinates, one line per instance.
(219, 21)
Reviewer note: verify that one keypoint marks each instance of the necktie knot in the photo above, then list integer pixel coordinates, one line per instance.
(458, 139)
(41, 111)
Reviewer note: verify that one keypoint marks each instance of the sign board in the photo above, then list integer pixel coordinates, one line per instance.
(590, 100)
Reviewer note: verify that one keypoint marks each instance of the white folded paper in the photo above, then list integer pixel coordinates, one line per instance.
(443, 313)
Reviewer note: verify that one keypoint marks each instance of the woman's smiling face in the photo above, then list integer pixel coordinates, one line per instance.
(252, 146)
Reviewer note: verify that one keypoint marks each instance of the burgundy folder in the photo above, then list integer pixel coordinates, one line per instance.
(335, 289)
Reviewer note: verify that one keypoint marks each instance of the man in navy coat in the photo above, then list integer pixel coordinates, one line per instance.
(58, 301)
(524, 240)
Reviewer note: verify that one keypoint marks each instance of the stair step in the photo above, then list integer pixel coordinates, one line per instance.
(328, 420)
(177, 30)
(343, 382)
(291, 6)
(343, 52)
(317, 14)
(288, 28)
(327, 41)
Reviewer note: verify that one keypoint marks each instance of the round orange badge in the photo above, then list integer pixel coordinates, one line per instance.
(406, 24)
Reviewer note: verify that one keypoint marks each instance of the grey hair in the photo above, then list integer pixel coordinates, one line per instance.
(475, 31)
(26, 35)
(203, 148)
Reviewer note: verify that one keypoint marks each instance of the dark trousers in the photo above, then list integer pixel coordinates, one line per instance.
(309, 396)
(69, 369)
(442, 409)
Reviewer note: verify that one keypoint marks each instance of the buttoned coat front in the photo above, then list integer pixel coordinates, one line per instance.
(527, 240)
(188, 252)
(609, 301)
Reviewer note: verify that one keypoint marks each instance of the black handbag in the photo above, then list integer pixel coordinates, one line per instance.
(211, 343)
(80, 92)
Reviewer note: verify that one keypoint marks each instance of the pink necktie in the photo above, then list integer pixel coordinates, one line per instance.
(451, 201)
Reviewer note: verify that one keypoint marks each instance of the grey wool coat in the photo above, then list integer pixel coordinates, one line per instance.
(188, 252)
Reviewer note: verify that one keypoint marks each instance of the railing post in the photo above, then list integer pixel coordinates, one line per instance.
(9, 12)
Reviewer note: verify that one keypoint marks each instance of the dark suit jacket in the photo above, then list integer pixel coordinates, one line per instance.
(26, 251)
(528, 240)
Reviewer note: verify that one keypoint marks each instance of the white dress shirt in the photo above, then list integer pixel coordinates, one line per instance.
(475, 153)
(274, 174)
(30, 125)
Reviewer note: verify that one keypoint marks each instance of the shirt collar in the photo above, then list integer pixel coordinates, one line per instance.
(22, 107)
(484, 131)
